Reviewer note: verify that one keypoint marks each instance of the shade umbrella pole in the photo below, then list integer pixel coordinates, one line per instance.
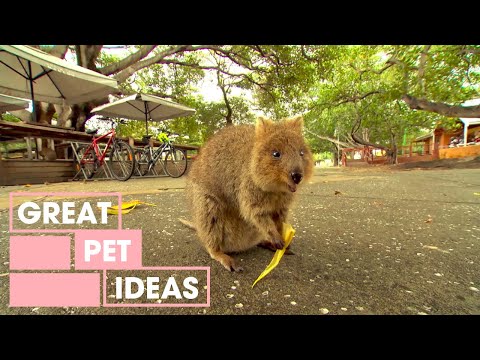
(146, 116)
(34, 108)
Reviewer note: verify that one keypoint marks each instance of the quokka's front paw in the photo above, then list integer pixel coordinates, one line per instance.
(277, 242)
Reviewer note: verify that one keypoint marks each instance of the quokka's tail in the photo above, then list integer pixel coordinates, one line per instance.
(187, 223)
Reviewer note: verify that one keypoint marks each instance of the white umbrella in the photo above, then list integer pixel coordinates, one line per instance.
(149, 107)
(33, 74)
(10, 103)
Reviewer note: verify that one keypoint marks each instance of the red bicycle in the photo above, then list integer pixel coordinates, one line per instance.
(121, 159)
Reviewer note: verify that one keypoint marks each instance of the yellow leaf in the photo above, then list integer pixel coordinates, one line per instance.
(130, 204)
(126, 207)
(476, 194)
(115, 211)
(143, 203)
(287, 233)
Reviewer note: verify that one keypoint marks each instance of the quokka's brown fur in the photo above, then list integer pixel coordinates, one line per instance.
(242, 184)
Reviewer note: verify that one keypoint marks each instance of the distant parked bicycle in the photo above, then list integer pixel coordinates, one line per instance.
(172, 159)
(121, 158)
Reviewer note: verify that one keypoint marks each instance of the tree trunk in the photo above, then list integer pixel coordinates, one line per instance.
(44, 112)
(332, 140)
(80, 114)
(441, 108)
(365, 134)
(392, 152)
(87, 55)
(336, 154)
(64, 112)
(223, 87)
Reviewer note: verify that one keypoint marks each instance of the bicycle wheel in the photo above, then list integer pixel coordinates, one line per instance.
(86, 161)
(142, 158)
(176, 163)
(122, 160)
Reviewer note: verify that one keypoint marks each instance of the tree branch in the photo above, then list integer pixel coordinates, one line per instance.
(129, 60)
(394, 61)
(131, 69)
(469, 51)
(305, 55)
(128, 71)
(335, 141)
(442, 108)
(262, 86)
(378, 72)
(356, 98)
(198, 66)
(222, 86)
(421, 67)
(59, 51)
(361, 141)
(242, 61)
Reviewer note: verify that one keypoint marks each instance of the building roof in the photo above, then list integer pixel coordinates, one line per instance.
(470, 121)
(424, 137)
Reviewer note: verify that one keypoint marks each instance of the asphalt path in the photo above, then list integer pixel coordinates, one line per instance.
(368, 241)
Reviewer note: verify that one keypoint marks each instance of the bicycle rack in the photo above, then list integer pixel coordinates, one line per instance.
(102, 170)
(153, 172)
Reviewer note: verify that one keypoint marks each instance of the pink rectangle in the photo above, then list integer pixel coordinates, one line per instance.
(164, 268)
(39, 253)
(55, 290)
(108, 249)
(63, 194)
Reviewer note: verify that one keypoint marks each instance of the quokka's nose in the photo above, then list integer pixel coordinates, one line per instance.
(296, 177)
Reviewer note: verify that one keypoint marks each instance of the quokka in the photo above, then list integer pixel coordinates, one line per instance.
(242, 184)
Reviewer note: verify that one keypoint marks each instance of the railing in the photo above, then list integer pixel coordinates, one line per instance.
(414, 150)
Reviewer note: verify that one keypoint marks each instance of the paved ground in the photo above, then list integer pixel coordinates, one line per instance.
(373, 241)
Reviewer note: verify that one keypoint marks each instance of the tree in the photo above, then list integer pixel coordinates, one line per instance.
(177, 67)
(350, 95)
(439, 78)
(371, 86)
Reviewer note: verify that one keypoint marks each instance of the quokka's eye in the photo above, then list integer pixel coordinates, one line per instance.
(301, 152)
(276, 154)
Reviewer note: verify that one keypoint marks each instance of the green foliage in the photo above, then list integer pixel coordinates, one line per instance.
(195, 129)
(338, 89)
(322, 156)
(208, 119)
(362, 87)
(10, 117)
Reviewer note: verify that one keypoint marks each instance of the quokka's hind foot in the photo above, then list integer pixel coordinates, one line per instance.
(268, 245)
(187, 223)
(227, 261)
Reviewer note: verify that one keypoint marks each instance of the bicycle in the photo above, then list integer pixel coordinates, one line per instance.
(121, 157)
(172, 159)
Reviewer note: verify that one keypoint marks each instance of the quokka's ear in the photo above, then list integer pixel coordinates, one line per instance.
(263, 125)
(296, 122)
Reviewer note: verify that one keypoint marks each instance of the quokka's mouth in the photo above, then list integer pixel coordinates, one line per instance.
(292, 188)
